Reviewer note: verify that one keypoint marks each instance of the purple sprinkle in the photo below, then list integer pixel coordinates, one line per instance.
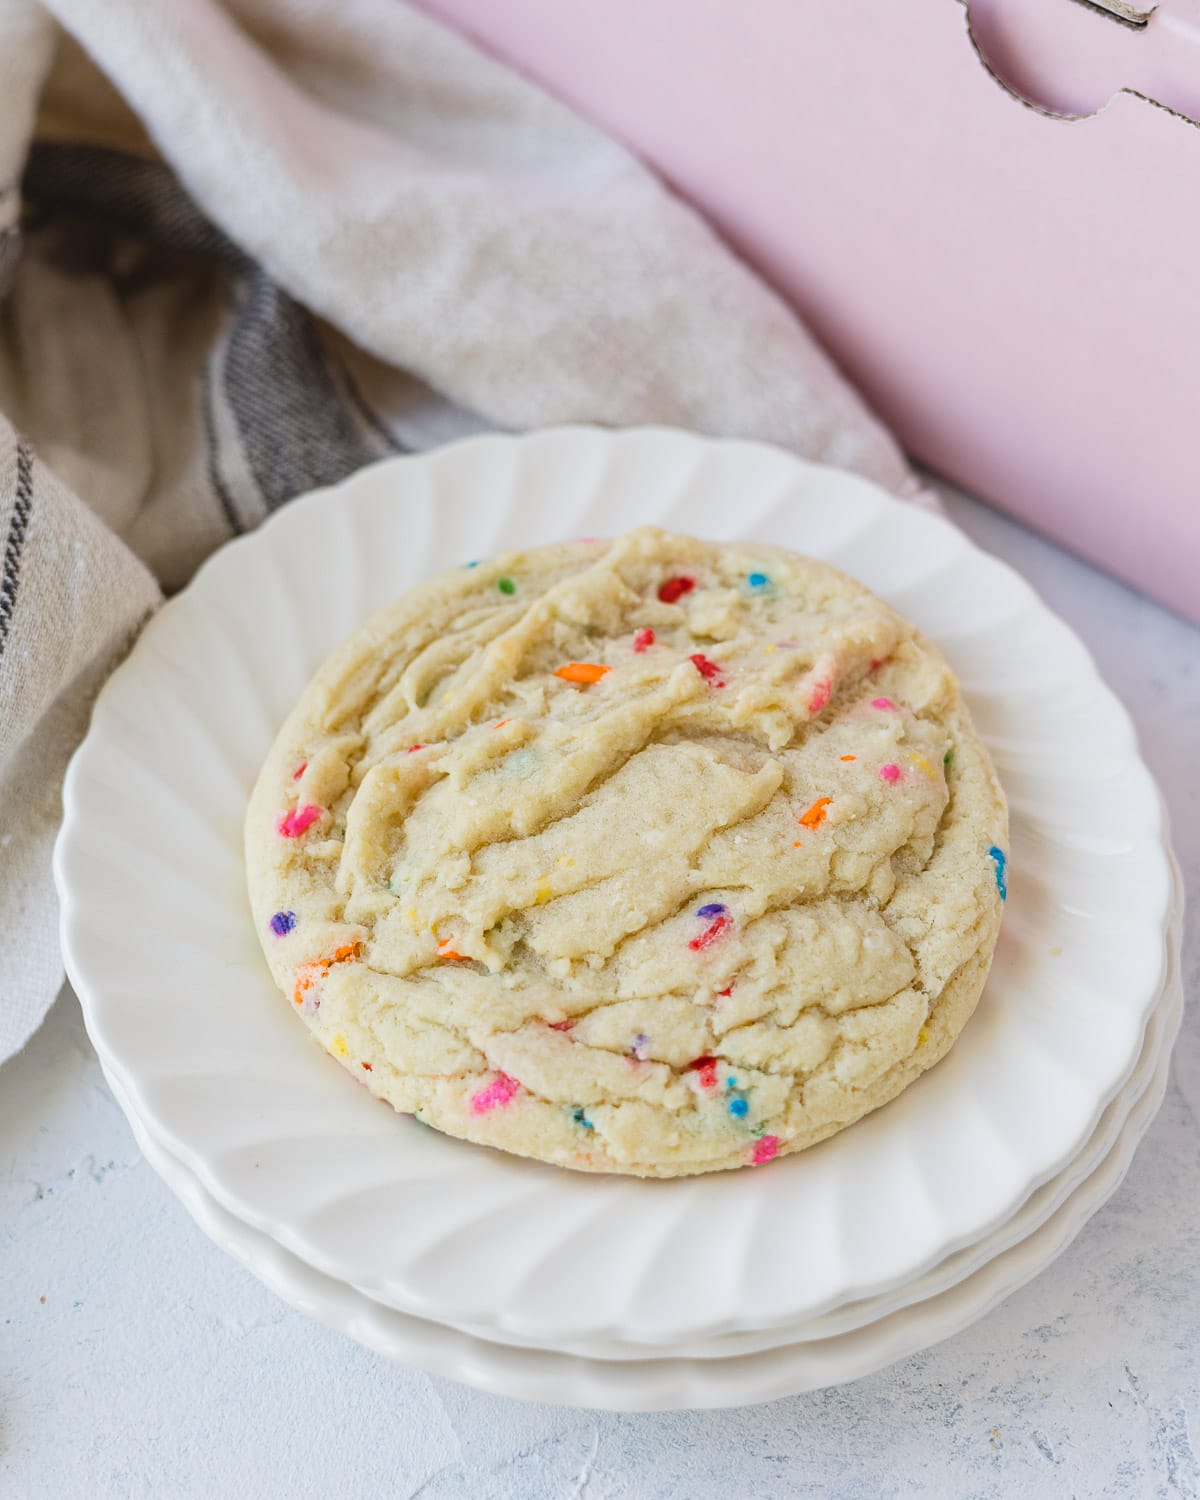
(283, 922)
(713, 909)
(639, 1044)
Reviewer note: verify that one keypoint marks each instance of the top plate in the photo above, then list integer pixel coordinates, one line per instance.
(159, 944)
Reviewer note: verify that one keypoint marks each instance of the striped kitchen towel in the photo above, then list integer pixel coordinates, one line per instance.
(247, 247)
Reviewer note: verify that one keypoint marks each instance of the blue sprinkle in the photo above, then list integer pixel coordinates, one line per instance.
(738, 1108)
(522, 763)
(757, 580)
(731, 1083)
(1001, 861)
(713, 909)
(283, 922)
(581, 1119)
(474, 564)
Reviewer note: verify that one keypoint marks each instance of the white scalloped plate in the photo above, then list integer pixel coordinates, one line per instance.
(158, 942)
(658, 1384)
(1037, 1209)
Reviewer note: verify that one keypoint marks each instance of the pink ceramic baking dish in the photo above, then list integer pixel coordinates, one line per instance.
(1016, 290)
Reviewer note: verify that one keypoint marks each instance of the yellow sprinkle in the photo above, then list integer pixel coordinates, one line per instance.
(543, 893)
(769, 648)
(922, 764)
(339, 1044)
(922, 1036)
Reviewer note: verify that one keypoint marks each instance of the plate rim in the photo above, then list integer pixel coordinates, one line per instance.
(293, 515)
(489, 1366)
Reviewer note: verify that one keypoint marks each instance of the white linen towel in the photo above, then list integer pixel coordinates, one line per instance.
(246, 248)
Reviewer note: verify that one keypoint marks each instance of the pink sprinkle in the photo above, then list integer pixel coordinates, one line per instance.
(882, 703)
(707, 669)
(561, 1025)
(499, 1091)
(412, 749)
(766, 1148)
(643, 639)
(715, 929)
(300, 770)
(293, 824)
(890, 773)
(819, 697)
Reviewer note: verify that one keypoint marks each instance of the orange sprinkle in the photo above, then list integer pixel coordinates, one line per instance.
(815, 815)
(582, 671)
(446, 951)
(309, 974)
(502, 723)
(849, 757)
(366, 1067)
(796, 843)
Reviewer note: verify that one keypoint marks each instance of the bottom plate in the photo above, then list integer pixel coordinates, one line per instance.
(678, 1383)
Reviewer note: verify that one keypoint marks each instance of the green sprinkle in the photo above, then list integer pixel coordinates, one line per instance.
(506, 585)
(948, 757)
(522, 763)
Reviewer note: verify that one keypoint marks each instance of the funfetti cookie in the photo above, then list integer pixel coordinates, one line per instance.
(650, 855)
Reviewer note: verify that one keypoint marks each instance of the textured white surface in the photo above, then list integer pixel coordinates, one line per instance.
(155, 1366)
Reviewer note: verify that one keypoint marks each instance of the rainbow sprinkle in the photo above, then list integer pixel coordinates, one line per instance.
(581, 1119)
(815, 815)
(757, 580)
(292, 824)
(890, 772)
(738, 1108)
(582, 672)
(522, 763)
(716, 914)
(705, 1069)
(883, 703)
(506, 585)
(1001, 859)
(675, 588)
(643, 639)
(499, 1092)
(640, 1043)
(766, 1148)
(300, 770)
(310, 974)
(709, 670)
(822, 691)
(282, 923)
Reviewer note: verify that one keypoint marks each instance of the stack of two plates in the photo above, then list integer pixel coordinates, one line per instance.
(537, 1282)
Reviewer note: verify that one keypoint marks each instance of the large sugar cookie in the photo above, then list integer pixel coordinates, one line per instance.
(651, 856)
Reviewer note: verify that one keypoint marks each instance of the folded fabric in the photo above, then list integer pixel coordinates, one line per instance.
(247, 248)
